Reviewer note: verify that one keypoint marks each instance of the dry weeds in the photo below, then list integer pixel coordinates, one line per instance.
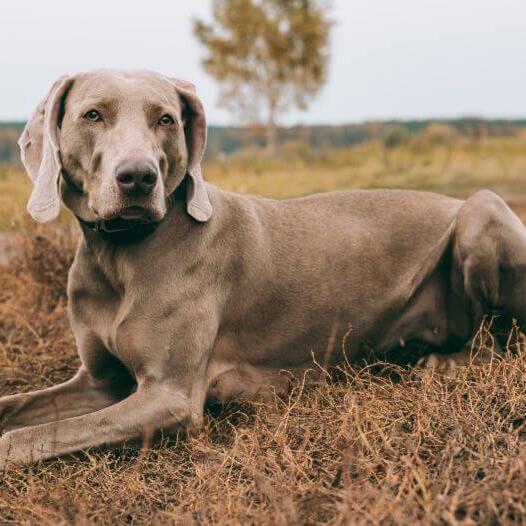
(397, 446)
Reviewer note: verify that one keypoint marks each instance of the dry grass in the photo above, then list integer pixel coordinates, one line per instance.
(389, 446)
(459, 168)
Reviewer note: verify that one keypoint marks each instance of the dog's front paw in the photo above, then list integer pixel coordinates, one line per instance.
(7, 451)
(14, 452)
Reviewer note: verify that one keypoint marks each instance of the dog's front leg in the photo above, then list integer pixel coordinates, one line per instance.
(154, 406)
(79, 395)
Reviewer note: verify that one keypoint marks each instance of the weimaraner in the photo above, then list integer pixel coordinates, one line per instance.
(181, 291)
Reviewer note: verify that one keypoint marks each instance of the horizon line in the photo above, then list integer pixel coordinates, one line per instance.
(464, 117)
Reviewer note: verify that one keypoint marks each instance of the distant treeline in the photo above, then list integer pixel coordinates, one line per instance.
(225, 140)
(9, 133)
(230, 139)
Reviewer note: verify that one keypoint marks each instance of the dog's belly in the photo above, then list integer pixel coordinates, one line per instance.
(245, 363)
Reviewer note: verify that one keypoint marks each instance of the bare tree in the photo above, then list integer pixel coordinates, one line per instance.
(268, 55)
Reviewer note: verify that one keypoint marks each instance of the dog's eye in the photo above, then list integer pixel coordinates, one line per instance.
(92, 115)
(166, 120)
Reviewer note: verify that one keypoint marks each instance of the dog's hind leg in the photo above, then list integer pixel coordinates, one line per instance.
(490, 251)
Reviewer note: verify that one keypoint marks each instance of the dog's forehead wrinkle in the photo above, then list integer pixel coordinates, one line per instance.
(126, 85)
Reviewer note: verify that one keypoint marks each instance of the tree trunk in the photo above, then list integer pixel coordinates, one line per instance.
(271, 134)
(271, 127)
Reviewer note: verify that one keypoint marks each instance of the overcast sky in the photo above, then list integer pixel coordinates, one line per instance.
(390, 58)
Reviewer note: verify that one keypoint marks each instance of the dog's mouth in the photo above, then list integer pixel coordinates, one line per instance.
(127, 215)
(132, 214)
(127, 219)
(135, 213)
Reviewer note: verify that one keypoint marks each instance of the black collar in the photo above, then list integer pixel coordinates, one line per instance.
(120, 231)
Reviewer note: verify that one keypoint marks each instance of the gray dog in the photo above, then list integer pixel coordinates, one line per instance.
(181, 292)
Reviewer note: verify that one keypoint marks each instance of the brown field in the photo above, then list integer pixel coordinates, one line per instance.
(367, 446)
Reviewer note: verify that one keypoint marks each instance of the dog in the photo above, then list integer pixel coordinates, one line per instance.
(181, 292)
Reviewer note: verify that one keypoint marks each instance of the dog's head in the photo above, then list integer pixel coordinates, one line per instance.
(116, 144)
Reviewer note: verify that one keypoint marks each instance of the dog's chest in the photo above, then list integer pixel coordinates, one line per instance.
(95, 309)
(100, 304)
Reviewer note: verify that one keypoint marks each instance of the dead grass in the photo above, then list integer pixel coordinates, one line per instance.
(397, 446)
(456, 169)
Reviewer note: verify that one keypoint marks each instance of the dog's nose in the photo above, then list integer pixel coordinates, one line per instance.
(136, 178)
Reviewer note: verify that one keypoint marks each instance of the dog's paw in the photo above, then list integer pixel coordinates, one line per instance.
(14, 453)
(442, 362)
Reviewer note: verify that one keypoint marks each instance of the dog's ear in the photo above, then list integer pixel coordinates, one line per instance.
(197, 202)
(40, 153)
